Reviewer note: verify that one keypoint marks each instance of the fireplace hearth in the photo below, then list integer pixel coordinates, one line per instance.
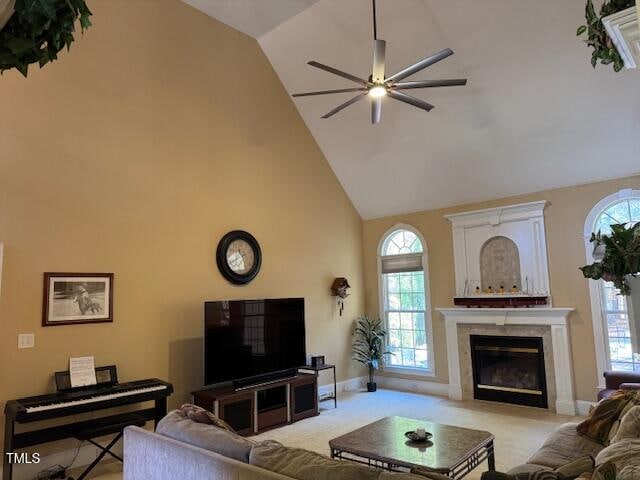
(509, 370)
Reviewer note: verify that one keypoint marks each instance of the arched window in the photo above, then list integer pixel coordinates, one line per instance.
(404, 305)
(609, 310)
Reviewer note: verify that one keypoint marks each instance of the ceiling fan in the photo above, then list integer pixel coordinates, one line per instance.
(379, 86)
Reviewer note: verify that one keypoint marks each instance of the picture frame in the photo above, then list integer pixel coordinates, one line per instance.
(77, 298)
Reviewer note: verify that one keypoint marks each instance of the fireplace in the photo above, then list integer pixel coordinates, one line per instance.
(509, 370)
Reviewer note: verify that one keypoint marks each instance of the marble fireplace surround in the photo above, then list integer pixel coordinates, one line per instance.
(549, 323)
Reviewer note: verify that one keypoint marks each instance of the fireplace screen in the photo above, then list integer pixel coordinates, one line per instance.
(509, 370)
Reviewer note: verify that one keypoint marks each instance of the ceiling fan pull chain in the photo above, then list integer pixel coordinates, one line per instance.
(375, 28)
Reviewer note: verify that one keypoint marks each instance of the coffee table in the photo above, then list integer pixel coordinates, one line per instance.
(452, 451)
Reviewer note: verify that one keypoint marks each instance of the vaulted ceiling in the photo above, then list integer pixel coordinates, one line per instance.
(534, 115)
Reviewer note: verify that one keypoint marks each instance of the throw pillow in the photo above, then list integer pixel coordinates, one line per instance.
(200, 415)
(606, 471)
(629, 426)
(624, 453)
(176, 425)
(306, 465)
(603, 417)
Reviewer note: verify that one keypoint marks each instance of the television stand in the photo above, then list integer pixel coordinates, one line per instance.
(258, 408)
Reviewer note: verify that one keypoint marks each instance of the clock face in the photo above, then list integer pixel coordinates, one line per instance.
(240, 256)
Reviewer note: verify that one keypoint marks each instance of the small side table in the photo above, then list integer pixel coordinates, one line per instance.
(317, 371)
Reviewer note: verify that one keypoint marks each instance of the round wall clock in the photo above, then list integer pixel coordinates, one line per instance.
(239, 257)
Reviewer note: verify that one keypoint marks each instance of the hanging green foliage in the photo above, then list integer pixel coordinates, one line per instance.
(604, 51)
(38, 30)
(621, 256)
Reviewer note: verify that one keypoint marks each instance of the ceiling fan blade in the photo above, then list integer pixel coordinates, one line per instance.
(345, 105)
(422, 64)
(430, 83)
(376, 110)
(340, 73)
(379, 48)
(416, 102)
(327, 92)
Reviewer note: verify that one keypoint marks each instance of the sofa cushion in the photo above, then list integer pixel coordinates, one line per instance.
(528, 468)
(603, 417)
(177, 426)
(563, 447)
(306, 465)
(624, 453)
(629, 426)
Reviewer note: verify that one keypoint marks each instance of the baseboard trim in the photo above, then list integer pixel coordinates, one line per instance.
(349, 385)
(414, 386)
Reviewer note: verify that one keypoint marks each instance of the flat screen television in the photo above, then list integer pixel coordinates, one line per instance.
(247, 339)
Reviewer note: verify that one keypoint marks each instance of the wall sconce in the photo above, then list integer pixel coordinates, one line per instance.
(339, 289)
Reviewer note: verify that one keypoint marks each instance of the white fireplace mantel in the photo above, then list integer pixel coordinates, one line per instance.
(554, 318)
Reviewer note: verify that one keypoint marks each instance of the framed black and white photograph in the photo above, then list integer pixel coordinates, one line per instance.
(71, 298)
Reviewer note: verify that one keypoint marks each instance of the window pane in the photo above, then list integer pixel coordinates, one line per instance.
(634, 206)
(421, 339)
(394, 301)
(405, 301)
(407, 338)
(401, 243)
(421, 358)
(618, 213)
(394, 338)
(394, 320)
(419, 322)
(408, 357)
(406, 321)
(405, 282)
(613, 301)
(393, 285)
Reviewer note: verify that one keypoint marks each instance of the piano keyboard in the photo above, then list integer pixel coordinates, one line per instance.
(94, 399)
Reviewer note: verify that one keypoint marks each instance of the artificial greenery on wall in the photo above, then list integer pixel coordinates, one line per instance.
(604, 51)
(38, 30)
(620, 259)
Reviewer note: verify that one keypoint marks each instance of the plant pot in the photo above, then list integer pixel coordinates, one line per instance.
(372, 386)
(6, 11)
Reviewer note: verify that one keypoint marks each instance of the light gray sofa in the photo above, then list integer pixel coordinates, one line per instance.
(151, 456)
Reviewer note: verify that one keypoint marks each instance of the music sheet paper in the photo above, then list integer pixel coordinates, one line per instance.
(82, 371)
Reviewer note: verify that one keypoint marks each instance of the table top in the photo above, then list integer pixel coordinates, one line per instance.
(384, 441)
(325, 366)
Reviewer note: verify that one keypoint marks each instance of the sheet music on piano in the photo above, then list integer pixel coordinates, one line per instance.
(82, 371)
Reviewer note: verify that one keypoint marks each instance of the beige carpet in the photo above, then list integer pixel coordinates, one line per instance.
(519, 431)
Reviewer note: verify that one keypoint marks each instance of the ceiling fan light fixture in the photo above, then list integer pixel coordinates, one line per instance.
(377, 91)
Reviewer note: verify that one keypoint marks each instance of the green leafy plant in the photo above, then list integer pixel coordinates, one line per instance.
(39, 30)
(604, 50)
(621, 256)
(369, 344)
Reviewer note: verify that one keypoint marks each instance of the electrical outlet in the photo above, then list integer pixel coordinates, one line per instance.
(26, 340)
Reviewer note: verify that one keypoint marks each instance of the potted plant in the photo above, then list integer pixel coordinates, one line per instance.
(618, 260)
(36, 31)
(369, 346)
(604, 50)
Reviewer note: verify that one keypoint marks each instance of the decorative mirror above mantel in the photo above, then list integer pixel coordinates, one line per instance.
(500, 256)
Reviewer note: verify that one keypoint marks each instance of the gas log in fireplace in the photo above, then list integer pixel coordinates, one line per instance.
(509, 370)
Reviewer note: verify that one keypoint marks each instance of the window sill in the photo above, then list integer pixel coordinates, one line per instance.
(422, 372)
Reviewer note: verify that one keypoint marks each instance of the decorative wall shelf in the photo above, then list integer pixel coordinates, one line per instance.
(624, 29)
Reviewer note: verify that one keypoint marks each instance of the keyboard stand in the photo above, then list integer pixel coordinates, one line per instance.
(105, 426)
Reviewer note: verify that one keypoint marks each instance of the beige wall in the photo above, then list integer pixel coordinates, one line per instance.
(160, 131)
(564, 221)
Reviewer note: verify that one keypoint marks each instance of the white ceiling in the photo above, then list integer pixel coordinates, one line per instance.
(253, 17)
(534, 115)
